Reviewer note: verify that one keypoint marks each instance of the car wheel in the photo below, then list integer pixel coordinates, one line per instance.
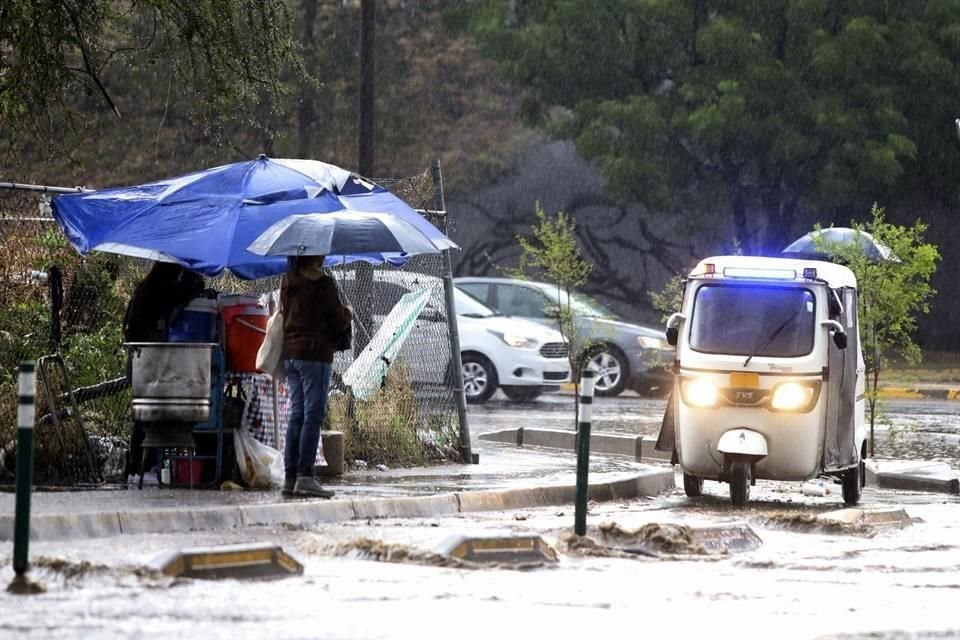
(522, 394)
(692, 485)
(479, 378)
(612, 371)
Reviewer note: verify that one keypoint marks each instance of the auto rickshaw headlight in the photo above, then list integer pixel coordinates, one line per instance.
(792, 396)
(699, 392)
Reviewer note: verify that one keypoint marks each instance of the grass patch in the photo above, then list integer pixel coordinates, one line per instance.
(384, 428)
(937, 367)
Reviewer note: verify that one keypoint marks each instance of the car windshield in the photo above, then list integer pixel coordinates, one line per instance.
(582, 305)
(469, 306)
(753, 320)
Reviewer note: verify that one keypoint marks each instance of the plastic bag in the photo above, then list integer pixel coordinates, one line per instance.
(261, 467)
(269, 354)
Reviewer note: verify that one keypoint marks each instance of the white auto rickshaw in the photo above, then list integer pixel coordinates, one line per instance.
(768, 378)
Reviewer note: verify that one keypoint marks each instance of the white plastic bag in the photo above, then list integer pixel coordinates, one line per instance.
(261, 466)
(269, 354)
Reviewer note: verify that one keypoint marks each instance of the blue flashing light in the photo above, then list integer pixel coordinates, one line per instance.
(762, 274)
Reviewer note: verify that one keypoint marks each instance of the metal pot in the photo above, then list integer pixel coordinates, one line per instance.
(170, 380)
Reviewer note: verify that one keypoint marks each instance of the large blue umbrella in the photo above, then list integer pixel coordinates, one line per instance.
(206, 220)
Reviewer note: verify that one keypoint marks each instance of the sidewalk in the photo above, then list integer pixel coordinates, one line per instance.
(505, 478)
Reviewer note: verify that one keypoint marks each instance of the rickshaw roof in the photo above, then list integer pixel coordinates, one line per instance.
(772, 270)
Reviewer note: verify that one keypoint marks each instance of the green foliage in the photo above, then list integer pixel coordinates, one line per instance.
(754, 110)
(58, 58)
(24, 335)
(553, 254)
(552, 251)
(892, 293)
(668, 300)
(96, 356)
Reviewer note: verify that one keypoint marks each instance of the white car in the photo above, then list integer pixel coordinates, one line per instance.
(518, 356)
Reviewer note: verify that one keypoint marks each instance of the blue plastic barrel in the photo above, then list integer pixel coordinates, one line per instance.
(196, 323)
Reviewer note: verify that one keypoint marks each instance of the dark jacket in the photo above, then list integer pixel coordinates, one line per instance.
(157, 300)
(313, 317)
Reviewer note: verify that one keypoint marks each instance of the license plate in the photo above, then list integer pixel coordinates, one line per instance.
(744, 380)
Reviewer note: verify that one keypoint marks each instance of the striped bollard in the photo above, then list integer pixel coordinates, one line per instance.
(25, 416)
(583, 450)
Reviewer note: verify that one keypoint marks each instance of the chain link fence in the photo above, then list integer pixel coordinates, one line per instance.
(83, 399)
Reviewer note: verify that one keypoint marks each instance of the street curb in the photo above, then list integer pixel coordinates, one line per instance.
(304, 513)
(640, 448)
(914, 475)
(918, 393)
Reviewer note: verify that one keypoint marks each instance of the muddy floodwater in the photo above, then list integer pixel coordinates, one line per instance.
(798, 572)
(381, 579)
(906, 429)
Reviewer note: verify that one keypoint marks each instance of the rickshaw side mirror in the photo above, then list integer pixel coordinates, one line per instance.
(840, 339)
(673, 335)
(839, 336)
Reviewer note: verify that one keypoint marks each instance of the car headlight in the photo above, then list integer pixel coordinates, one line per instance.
(516, 339)
(699, 392)
(652, 343)
(793, 396)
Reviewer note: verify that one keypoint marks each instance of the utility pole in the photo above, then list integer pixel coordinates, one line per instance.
(367, 93)
(365, 158)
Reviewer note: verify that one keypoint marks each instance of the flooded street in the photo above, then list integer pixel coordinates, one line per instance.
(906, 429)
(806, 579)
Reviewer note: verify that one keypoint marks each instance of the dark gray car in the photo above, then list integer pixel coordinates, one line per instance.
(626, 355)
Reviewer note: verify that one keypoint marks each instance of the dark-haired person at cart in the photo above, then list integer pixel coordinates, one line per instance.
(155, 302)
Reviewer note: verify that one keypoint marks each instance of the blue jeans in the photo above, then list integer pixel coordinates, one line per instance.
(309, 382)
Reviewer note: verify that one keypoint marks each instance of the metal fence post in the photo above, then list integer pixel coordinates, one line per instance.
(25, 418)
(583, 450)
(466, 452)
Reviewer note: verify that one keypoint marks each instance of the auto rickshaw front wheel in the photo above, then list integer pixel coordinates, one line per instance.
(852, 483)
(740, 480)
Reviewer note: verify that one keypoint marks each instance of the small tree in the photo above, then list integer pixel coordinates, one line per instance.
(552, 253)
(892, 293)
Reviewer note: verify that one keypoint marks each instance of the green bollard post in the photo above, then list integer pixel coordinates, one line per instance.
(25, 418)
(583, 450)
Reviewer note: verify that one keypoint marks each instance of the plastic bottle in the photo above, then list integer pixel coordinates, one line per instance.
(816, 488)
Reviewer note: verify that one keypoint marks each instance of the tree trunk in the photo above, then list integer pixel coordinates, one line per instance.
(781, 212)
(306, 111)
(741, 231)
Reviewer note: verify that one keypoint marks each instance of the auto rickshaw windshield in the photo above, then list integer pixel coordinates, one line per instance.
(752, 320)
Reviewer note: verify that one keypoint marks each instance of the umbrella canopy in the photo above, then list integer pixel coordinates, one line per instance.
(807, 247)
(341, 233)
(207, 219)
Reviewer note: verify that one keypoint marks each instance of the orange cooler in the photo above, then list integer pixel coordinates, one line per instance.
(244, 329)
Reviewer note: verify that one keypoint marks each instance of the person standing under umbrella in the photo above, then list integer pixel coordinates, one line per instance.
(313, 320)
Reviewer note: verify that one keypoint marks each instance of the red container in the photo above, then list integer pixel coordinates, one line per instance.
(181, 471)
(244, 329)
